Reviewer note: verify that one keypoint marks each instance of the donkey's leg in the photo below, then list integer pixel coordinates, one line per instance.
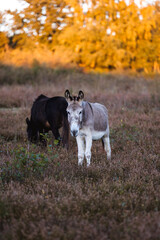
(107, 146)
(57, 137)
(41, 137)
(80, 143)
(88, 140)
(65, 133)
(56, 134)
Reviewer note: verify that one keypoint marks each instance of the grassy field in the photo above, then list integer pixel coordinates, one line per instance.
(45, 195)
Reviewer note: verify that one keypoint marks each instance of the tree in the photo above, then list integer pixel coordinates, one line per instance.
(41, 19)
(102, 34)
(3, 36)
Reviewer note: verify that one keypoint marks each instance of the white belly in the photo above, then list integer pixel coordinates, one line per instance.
(98, 134)
(95, 134)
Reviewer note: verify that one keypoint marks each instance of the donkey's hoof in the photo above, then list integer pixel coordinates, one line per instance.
(80, 161)
(109, 157)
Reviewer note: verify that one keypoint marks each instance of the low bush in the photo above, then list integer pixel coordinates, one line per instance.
(26, 162)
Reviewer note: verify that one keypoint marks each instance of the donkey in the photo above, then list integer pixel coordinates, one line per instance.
(48, 114)
(87, 121)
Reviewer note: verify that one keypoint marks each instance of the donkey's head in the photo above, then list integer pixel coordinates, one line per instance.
(74, 111)
(31, 131)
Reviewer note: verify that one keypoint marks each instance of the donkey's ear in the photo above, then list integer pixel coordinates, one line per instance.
(81, 95)
(67, 94)
(27, 121)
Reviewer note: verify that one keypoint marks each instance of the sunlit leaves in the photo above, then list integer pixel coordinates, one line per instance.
(97, 34)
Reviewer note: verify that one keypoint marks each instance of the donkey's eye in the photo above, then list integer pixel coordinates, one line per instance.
(80, 112)
(68, 113)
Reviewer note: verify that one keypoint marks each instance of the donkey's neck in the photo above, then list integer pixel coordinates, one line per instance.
(87, 113)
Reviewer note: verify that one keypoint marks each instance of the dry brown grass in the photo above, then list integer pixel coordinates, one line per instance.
(50, 197)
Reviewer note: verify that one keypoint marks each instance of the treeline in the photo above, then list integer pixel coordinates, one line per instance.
(100, 35)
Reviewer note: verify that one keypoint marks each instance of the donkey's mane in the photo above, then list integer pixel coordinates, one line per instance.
(90, 107)
(74, 98)
(40, 97)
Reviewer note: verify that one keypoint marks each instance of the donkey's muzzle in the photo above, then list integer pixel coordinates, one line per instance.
(74, 133)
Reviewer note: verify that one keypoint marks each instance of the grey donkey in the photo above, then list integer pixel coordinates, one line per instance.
(87, 121)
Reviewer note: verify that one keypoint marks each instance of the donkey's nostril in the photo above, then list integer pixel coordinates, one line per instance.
(75, 132)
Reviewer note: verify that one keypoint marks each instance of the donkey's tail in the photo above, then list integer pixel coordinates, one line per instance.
(65, 132)
(102, 143)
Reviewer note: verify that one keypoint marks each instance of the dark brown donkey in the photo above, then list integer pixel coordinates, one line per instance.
(48, 114)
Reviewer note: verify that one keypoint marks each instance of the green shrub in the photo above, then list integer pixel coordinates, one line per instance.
(26, 163)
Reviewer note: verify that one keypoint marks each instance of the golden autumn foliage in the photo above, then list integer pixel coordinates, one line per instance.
(97, 35)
